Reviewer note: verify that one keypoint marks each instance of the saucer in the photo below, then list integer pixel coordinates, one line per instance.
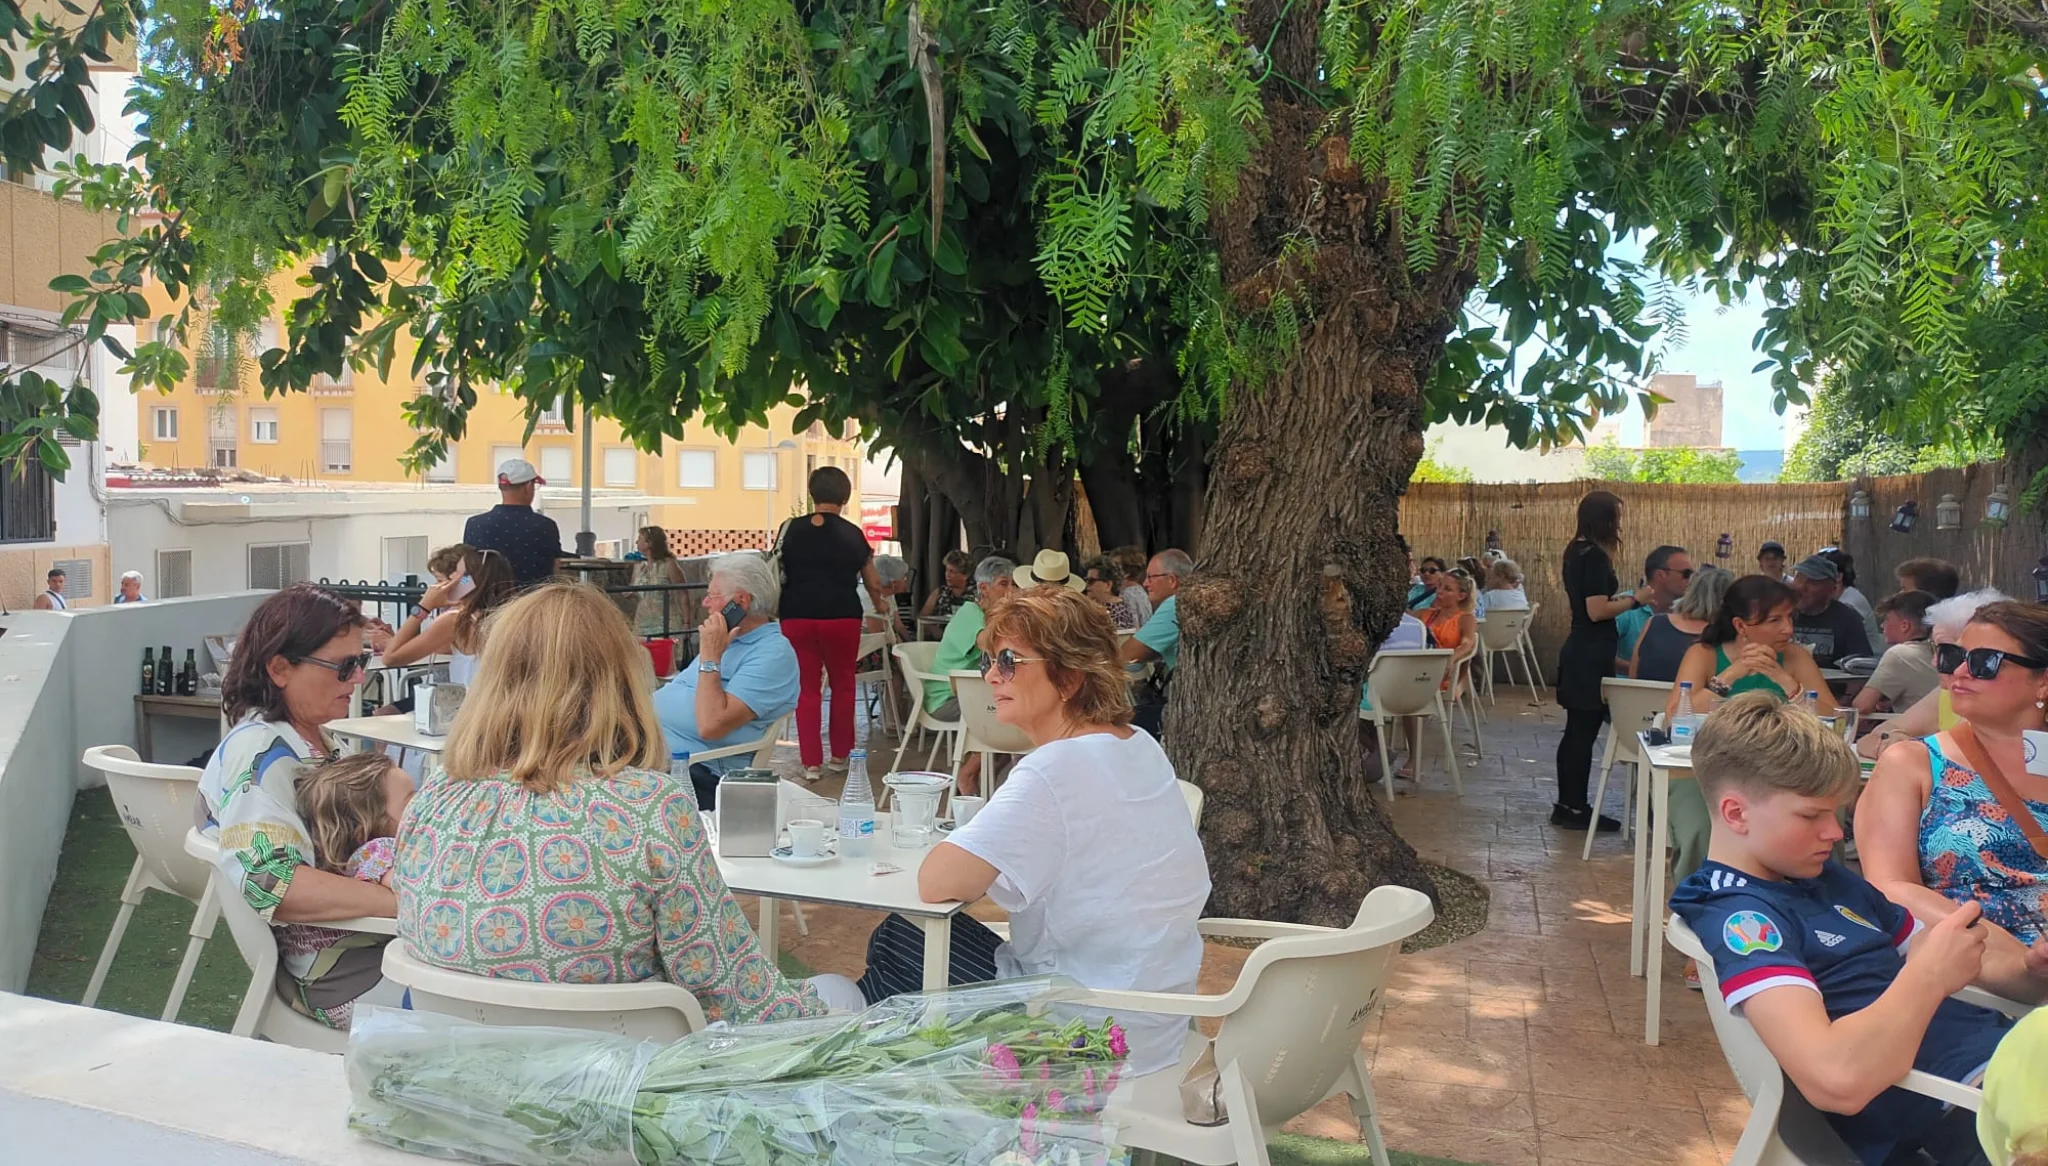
(945, 827)
(784, 854)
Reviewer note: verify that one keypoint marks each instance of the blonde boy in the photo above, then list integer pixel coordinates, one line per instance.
(1815, 957)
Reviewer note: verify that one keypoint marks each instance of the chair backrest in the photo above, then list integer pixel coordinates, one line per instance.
(1304, 1002)
(1633, 705)
(978, 716)
(1193, 796)
(652, 1010)
(156, 804)
(874, 644)
(1404, 683)
(919, 658)
(1500, 629)
(764, 757)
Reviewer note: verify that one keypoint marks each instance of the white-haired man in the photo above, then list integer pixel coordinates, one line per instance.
(1158, 642)
(131, 588)
(743, 678)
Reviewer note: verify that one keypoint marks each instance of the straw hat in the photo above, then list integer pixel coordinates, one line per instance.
(1049, 567)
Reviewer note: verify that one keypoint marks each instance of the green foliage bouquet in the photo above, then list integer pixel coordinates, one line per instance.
(999, 1072)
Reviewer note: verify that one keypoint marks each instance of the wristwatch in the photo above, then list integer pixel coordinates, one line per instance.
(707, 666)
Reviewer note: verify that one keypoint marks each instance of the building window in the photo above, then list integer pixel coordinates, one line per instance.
(223, 457)
(339, 383)
(696, 469)
(405, 556)
(275, 566)
(263, 426)
(220, 434)
(757, 471)
(173, 575)
(557, 464)
(444, 469)
(337, 434)
(164, 423)
(500, 454)
(552, 415)
(621, 467)
(28, 511)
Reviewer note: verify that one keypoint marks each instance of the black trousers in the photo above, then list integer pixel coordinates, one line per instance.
(896, 957)
(1575, 754)
(705, 783)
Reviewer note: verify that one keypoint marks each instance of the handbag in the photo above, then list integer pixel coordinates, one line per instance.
(774, 555)
(1994, 780)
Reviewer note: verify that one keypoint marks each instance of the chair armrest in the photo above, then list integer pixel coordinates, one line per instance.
(748, 749)
(371, 924)
(1942, 1089)
(1971, 994)
(1158, 1003)
(1255, 929)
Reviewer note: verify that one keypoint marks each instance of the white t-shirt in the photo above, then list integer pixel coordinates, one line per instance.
(1103, 876)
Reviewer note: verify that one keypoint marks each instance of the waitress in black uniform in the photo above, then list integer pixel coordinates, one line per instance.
(1590, 586)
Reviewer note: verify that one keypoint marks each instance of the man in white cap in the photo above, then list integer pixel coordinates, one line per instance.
(530, 541)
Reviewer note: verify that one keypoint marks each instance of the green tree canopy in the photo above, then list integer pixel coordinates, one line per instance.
(1609, 462)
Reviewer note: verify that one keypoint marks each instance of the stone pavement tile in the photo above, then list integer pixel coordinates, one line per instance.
(1622, 1130)
(1491, 1061)
(1410, 1106)
(1727, 1113)
(1542, 950)
(1515, 981)
(1422, 1020)
(1596, 1067)
(1696, 1059)
(1568, 1015)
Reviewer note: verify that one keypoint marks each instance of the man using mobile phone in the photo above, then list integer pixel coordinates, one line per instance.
(742, 680)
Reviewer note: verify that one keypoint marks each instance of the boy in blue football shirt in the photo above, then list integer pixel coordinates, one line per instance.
(1817, 959)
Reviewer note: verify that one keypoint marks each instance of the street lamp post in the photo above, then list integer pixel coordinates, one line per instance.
(775, 453)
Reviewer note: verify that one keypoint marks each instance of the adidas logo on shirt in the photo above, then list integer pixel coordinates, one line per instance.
(1829, 938)
(1722, 880)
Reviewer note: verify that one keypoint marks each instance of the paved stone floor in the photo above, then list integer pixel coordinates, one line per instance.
(1521, 1045)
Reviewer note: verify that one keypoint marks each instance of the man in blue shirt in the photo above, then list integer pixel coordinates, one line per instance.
(1817, 960)
(1158, 641)
(529, 540)
(742, 679)
(1668, 571)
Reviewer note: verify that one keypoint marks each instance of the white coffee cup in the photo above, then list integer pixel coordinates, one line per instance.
(806, 837)
(965, 807)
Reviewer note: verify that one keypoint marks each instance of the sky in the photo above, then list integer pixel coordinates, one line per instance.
(1717, 348)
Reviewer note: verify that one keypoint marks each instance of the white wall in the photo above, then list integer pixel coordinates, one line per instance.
(111, 639)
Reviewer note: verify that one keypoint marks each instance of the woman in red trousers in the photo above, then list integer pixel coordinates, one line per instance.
(824, 558)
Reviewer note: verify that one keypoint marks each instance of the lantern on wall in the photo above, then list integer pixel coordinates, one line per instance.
(2041, 581)
(1906, 517)
(1997, 508)
(1859, 506)
(1725, 548)
(1948, 513)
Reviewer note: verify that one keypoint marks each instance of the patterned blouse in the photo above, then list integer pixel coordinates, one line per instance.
(1971, 848)
(611, 880)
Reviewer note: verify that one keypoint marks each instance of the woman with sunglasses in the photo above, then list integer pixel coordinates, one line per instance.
(1747, 648)
(1956, 816)
(296, 666)
(1088, 845)
(1936, 711)
(459, 635)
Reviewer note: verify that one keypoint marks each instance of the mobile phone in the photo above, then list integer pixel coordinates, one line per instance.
(462, 588)
(734, 613)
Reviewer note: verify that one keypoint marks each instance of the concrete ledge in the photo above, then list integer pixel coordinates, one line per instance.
(82, 1085)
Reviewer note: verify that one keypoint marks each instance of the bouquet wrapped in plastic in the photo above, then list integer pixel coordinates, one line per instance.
(997, 1073)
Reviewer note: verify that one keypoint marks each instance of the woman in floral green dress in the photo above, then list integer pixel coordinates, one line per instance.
(557, 848)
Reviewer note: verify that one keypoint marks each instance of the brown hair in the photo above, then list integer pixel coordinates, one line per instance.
(1131, 561)
(1913, 605)
(830, 485)
(1078, 643)
(445, 560)
(1760, 744)
(1937, 577)
(2025, 622)
(342, 802)
(563, 688)
(491, 572)
(294, 623)
(657, 542)
(1599, 523)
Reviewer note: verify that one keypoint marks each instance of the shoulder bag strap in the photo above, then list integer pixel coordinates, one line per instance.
(1994, 779)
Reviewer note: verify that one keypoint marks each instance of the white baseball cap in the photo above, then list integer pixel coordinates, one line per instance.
(518, 472)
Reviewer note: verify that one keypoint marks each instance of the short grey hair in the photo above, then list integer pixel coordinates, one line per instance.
(1951, 615)
(1175, 562)
(993, 568)
(127, 575)
(891, 570)
(749, 572)
(1702, 598)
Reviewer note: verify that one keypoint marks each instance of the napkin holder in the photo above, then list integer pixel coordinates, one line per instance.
(434, 707)
(747, 817)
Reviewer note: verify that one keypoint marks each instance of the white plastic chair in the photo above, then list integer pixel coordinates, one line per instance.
(1632, 706)
(874, 684)
(1784, 1128)
(651, 1010)
(1407, 683)
(1290, 1034)
(1463, 694)
(1192, 794)
(156, 805)
(263, 1013)
(761, 750)
(1529, 652)
(980, 731)
(1501, 634)
(919, 662)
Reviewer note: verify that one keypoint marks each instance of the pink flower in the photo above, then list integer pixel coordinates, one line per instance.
(1118, 1046)
(1029, 1137)
(1088, 1083)
(1045, 1070)
(1056, 1101)
(1004, 1061)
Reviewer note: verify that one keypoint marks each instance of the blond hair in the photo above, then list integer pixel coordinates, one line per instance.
(562, 690)
(1759, 744)
(342, 801)
(1077, 641)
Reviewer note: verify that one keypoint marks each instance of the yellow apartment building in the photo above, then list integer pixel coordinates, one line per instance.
(709, 493)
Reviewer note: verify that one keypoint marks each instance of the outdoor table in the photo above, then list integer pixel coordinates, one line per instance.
(1653, 805)
(1844, 684)
(395, 729)
(847, 883)
(147, 705)
(930, 627)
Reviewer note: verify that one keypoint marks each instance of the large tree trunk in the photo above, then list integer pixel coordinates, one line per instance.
(1298, 573)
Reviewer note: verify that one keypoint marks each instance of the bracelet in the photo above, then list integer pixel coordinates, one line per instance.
(1717, 686)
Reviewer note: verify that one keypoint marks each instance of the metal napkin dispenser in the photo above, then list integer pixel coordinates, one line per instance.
(747, 813)
(434, 707)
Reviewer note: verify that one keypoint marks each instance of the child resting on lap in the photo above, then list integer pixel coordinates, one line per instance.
(351, 806)
(1846, 989)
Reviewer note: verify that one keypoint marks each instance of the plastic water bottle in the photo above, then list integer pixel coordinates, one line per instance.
(856, 809)
(1684, 722)
(1811, 701)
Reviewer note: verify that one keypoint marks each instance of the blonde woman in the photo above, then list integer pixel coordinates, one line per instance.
(657, 612)
(559, 849)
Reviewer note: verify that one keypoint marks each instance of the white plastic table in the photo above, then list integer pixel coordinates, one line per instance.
(847, 882)
(1647, 942)
(395, 729)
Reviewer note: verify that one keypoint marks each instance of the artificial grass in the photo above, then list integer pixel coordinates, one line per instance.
(1295, 1150)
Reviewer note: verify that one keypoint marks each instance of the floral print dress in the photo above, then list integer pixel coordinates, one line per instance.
(610, 880)
(1970, 848)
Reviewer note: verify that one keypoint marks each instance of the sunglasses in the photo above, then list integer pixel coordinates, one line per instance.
(1005, 663)
(1432, 570)
(344, 670)
(1984, 662)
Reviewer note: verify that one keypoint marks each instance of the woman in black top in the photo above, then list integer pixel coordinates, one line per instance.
(823, 558)
(1588, 654)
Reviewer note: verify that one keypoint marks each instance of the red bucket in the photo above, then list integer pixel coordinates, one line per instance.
(663, 653)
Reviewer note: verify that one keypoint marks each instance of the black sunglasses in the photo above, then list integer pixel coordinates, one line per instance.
(344, 670)
(1005, 663)
(1432, 571)
(1984, 662)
